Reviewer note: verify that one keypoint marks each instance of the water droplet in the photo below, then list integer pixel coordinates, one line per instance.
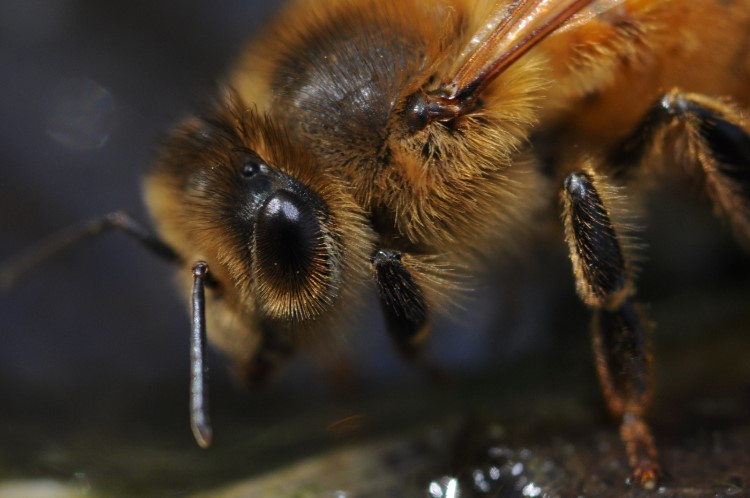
(445, 487)
(531, 490)
(494, 473)
(435, 490)
(480, 482)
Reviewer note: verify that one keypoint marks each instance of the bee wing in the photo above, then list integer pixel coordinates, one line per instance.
(510, 31)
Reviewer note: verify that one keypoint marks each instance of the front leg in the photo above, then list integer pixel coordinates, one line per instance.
(620, 339)
(402, 300)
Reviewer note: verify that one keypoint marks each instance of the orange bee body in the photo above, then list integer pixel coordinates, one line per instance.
(609, 70)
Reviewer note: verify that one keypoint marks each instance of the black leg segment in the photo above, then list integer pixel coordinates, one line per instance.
(622, 356)
(597, 257)
(402, 301)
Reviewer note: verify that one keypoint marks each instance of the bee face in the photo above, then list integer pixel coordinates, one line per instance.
(283, 239)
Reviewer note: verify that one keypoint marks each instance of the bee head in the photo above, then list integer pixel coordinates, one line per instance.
(283, 240)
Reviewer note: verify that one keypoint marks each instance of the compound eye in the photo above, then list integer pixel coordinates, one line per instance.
(288, 239)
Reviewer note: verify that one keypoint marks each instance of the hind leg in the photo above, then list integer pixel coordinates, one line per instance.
(712, 145)
(711, 140)
(621, 345)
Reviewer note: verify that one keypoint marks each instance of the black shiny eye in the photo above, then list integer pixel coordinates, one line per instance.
(250, 169)
(288, 236)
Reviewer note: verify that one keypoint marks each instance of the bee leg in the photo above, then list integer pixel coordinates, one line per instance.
(13, 271)
(623, 361)
(620, 340)
(402, 300)
(717, 152)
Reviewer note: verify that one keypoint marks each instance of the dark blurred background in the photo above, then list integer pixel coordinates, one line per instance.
(87, 89)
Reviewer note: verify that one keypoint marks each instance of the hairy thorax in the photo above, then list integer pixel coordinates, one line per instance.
(341, 91)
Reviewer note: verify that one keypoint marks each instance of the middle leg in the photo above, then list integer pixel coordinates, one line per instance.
(411, 289)
(402, 300)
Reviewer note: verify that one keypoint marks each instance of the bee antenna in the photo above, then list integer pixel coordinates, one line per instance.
(199, 420)
(12, 271)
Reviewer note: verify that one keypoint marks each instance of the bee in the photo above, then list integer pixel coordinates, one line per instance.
(397, 144)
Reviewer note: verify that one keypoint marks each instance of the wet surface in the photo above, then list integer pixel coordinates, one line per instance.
(537, 428)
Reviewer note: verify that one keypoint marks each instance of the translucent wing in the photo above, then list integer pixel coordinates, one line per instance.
(511, 30)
